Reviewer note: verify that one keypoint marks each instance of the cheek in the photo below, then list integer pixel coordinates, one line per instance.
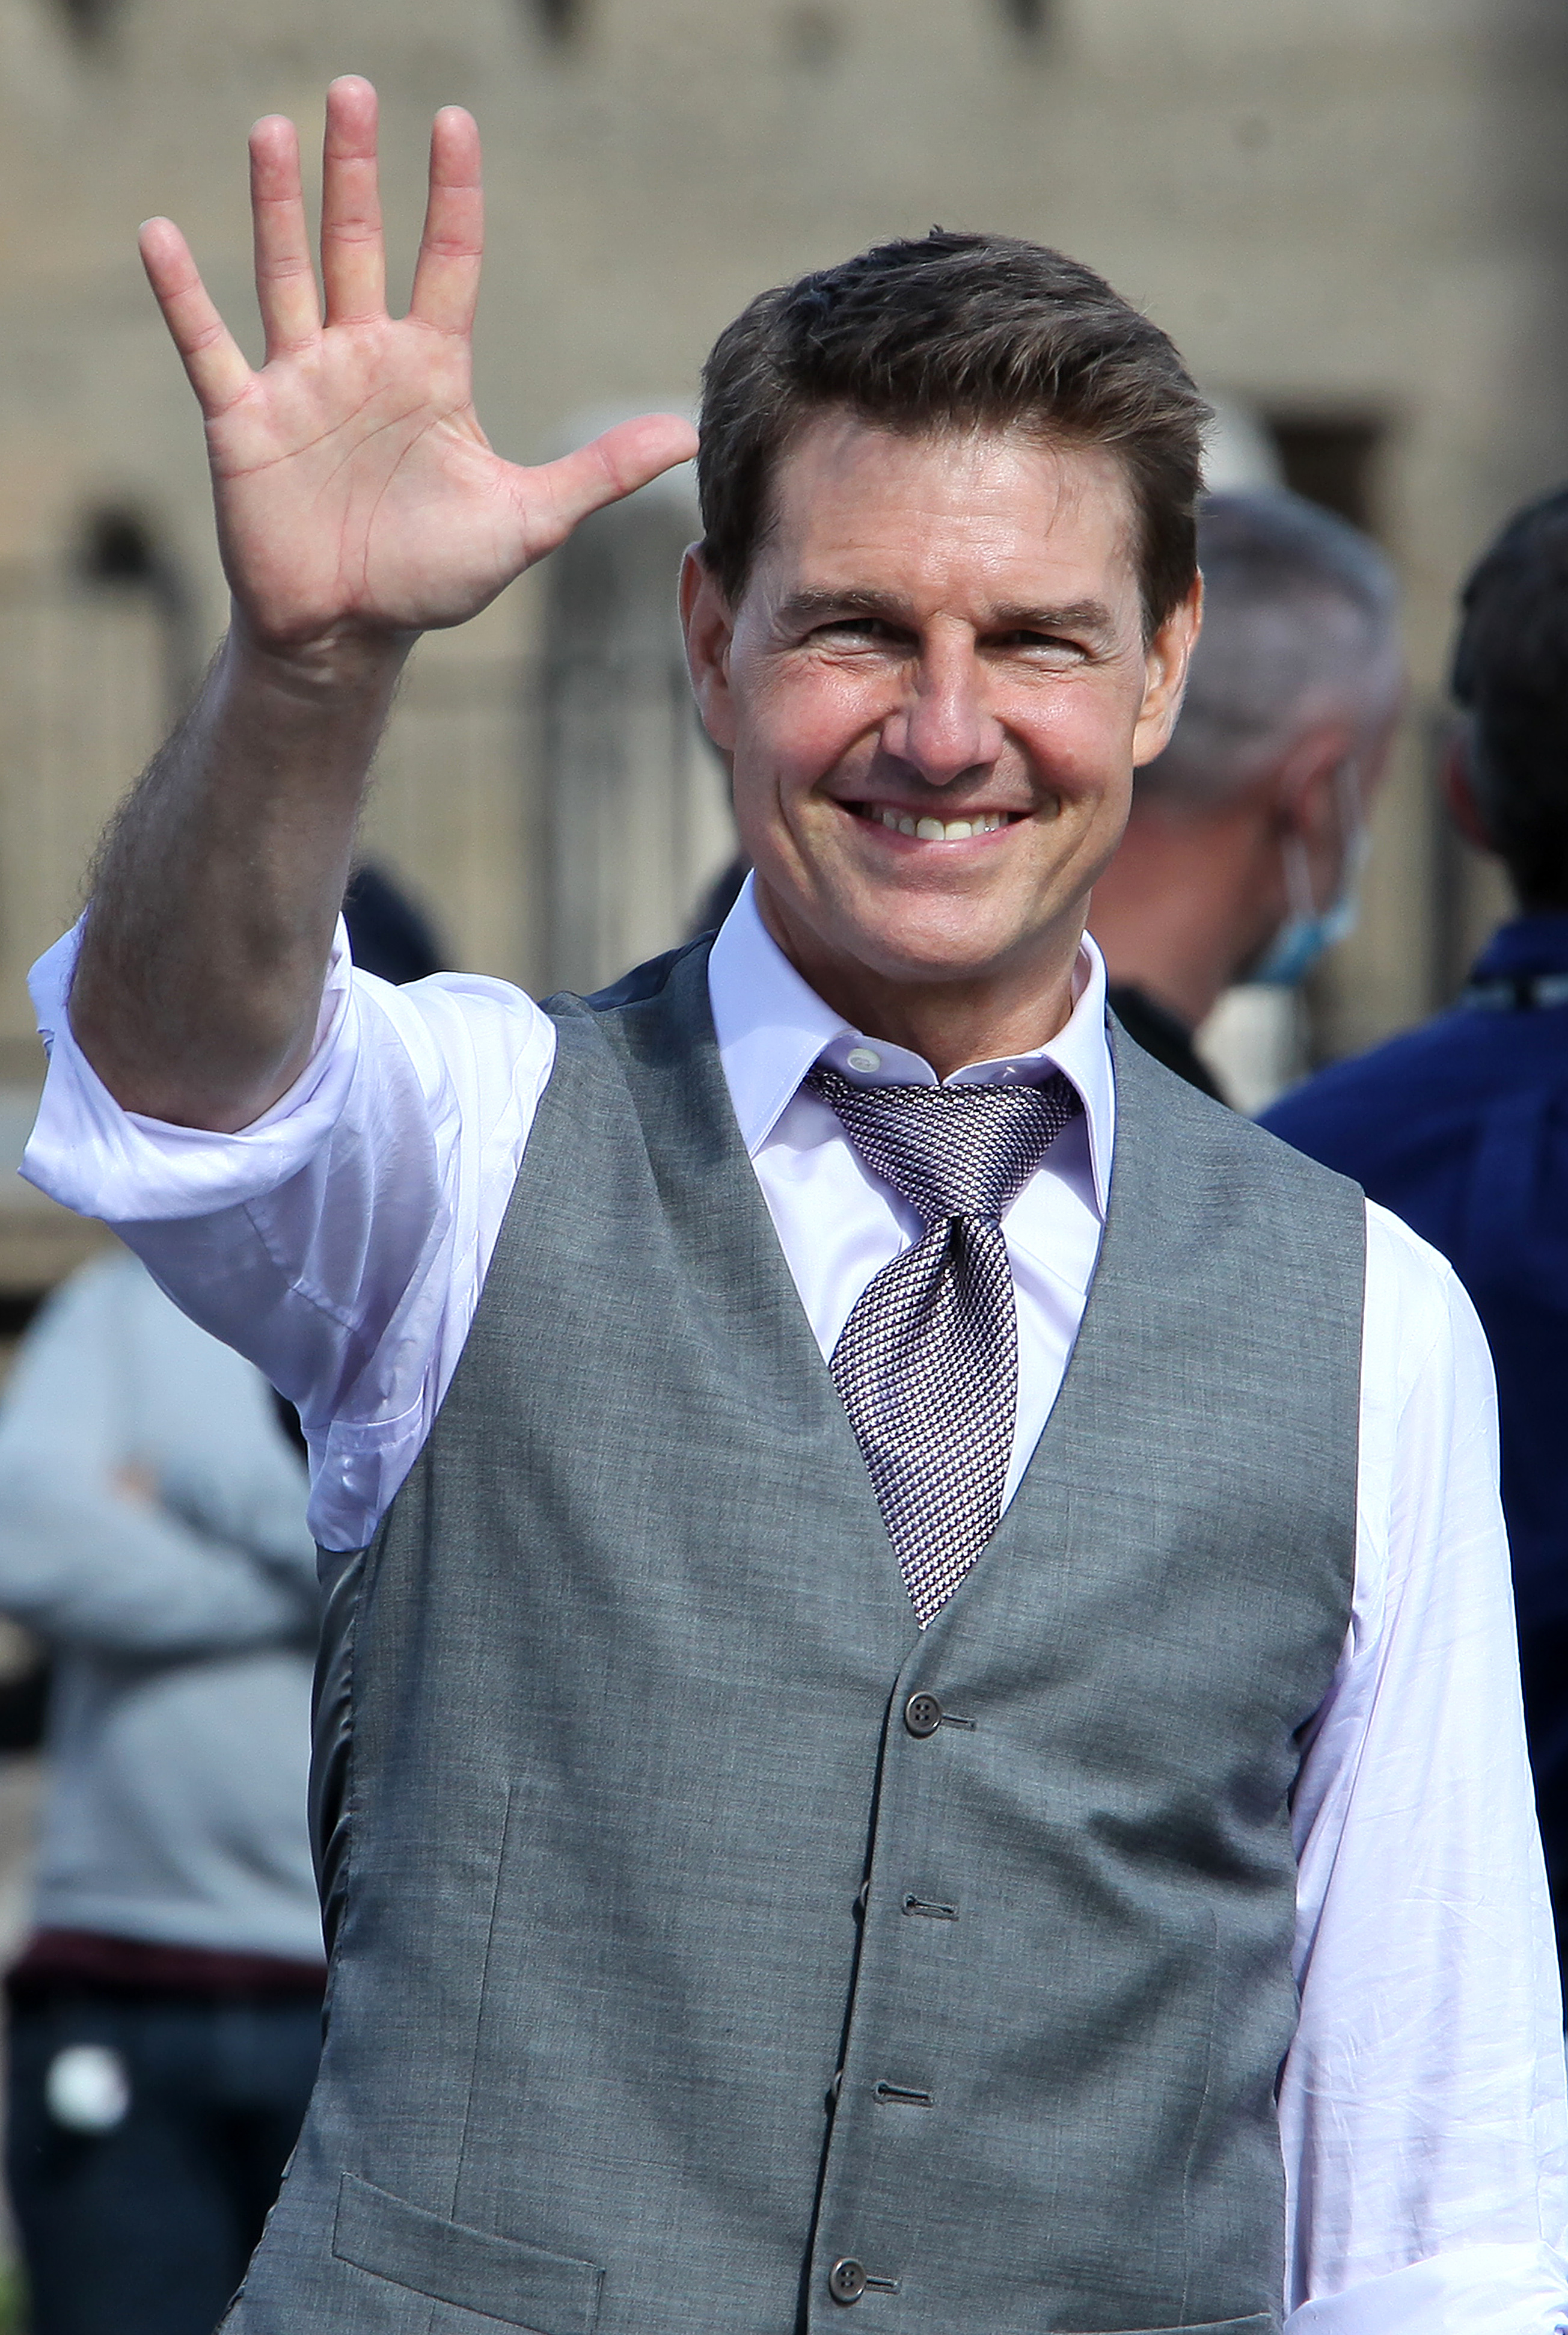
(1078, 741)
(794, 727)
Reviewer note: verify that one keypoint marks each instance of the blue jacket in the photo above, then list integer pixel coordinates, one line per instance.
(1461, 1127)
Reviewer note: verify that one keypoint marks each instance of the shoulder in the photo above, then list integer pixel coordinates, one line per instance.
(657, 1014)
(646, 983)
(1420, 1321)
(1234, 1207)
(1219, 1144)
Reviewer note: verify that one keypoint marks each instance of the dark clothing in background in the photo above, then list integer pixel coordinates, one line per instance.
(1461, 1127)
(387, 934)
(1160, 1034)
(146, 2229)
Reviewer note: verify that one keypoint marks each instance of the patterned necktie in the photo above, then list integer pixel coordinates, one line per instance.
(927, 1362)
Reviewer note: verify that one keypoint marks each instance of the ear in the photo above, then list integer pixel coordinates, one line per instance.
(1305, 784)
(709, 626)
(1166, 663)
(1459, 792)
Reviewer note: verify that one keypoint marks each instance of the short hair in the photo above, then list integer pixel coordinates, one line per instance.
(1511, 677)
(1300, 618)
(952, 331)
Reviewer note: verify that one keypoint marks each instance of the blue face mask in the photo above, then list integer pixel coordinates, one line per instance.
(1309, 930)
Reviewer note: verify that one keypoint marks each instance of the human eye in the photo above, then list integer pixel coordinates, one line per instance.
(1036, 645)
(854, 627)
(857, 633)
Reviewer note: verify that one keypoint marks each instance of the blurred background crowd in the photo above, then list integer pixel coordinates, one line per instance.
(1352, 217)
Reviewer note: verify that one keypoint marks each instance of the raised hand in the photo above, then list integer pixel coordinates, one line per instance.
(355, 492)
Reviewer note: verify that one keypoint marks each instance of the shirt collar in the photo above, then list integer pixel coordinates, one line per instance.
(772, 1026)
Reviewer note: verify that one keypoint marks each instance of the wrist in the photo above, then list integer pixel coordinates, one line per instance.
(344, 666)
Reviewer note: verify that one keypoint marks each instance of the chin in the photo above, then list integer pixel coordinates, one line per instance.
(905, 942)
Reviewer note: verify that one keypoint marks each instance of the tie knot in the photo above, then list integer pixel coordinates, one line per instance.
(950, 1151)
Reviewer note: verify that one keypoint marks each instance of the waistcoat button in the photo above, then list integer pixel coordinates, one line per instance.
(846, 2279)
(923, 1714)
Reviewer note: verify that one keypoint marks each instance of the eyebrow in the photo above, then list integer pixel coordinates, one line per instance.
(1072, 616)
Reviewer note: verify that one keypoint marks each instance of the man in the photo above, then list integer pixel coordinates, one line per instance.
(1458, 1125)
(1245, 836)
(822, 1807)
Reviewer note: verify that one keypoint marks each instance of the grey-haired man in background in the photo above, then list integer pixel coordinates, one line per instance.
(1246, 834)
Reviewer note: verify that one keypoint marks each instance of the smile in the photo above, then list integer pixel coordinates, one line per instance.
(936, 830)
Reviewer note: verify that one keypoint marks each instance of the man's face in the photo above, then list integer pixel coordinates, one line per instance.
(933, 694)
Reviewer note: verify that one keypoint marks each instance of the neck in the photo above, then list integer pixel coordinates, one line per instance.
(950, 1021)
(1186, 905)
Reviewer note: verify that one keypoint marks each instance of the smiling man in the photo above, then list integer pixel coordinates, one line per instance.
(918, 1714)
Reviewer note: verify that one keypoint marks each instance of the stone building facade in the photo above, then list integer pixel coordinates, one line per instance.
(1349, 214)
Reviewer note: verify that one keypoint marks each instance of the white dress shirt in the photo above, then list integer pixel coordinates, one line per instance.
(342, 1243)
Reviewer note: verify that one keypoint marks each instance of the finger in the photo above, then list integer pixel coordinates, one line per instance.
(446, 287)
(212, 358)
(352, 252)
(285, 277)
(616, 464)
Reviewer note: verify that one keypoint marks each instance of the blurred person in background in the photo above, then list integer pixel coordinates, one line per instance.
(1246, 834)
(166, 2010)
(1461, 1127)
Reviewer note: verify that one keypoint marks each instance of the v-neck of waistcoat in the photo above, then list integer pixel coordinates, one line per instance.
(676, 1076)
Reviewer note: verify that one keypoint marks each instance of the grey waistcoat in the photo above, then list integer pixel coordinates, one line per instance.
(698, 1924)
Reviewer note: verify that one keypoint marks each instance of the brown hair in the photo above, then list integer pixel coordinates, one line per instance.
(960, 331)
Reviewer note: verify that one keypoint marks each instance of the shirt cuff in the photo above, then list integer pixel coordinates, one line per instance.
(92, 1155)
(1473, 2290)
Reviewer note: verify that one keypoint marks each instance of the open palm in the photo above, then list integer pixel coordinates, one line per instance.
(355, 489)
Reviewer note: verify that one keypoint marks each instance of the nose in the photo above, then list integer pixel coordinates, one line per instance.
(942, 729)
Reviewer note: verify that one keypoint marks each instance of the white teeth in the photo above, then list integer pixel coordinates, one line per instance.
(935, 831)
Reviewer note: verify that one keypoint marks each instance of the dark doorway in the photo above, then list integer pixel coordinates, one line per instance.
(1332, 459)
(118, 549)
(559, 19)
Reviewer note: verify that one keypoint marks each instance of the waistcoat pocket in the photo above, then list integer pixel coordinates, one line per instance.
(521, 2285)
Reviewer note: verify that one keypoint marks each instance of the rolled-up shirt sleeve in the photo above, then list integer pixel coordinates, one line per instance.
(1422, 2103)
(341, 1241)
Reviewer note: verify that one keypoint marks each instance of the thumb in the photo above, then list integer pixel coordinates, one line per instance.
(558, 495)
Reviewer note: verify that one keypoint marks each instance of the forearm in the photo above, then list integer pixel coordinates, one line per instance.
(218, 884)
